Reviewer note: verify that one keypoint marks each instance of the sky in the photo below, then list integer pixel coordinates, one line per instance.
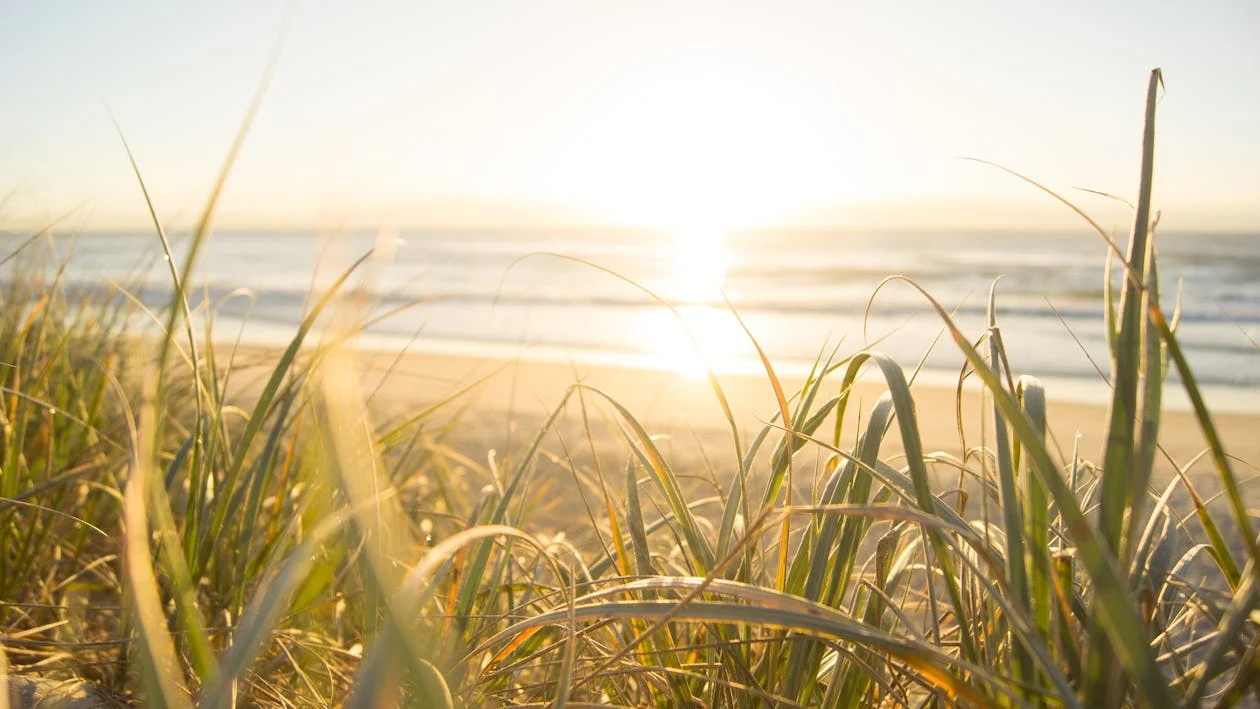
(665, 114)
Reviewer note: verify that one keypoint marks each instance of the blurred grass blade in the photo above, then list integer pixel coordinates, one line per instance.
(214, 531)
(1233, 490)
(158, 662)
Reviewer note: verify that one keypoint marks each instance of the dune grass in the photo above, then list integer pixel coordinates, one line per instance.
(177, 542)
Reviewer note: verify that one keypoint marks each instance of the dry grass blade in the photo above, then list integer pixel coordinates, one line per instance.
(790, 613)
(784, 547)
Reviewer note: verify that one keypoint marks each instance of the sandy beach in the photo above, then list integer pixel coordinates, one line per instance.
(671, 401)
(504, 402)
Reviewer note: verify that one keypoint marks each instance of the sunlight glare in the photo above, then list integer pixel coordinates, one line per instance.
(699, 265)
(714, 330)
(692, 136)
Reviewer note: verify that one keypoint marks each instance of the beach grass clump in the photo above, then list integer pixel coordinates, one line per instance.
(62, 435)
(180, 537)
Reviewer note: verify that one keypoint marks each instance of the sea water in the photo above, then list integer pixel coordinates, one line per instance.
(805, 295)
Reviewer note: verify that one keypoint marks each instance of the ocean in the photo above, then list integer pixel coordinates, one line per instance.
(805, 295)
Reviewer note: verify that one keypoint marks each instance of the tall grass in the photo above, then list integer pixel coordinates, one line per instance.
(174, 547)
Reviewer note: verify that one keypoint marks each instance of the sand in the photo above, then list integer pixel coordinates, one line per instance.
(671, 404)
(487, 409)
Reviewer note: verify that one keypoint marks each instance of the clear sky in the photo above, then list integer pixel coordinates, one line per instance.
(539, 112)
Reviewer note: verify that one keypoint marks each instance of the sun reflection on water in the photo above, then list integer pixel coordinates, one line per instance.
(700, 263)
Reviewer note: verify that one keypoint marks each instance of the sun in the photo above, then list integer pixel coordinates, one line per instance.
(689, 142)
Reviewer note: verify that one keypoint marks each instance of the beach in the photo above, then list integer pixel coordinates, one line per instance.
(630, 354)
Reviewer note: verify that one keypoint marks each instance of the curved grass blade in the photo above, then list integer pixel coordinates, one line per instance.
(788, 612)
(1217, 447)
(784, 550)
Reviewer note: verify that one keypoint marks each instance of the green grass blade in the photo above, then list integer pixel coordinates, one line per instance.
(1119, 618)
(1118, 455)
(1012, 505)
(903, 405)
(634, 513)
(1032, 397)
